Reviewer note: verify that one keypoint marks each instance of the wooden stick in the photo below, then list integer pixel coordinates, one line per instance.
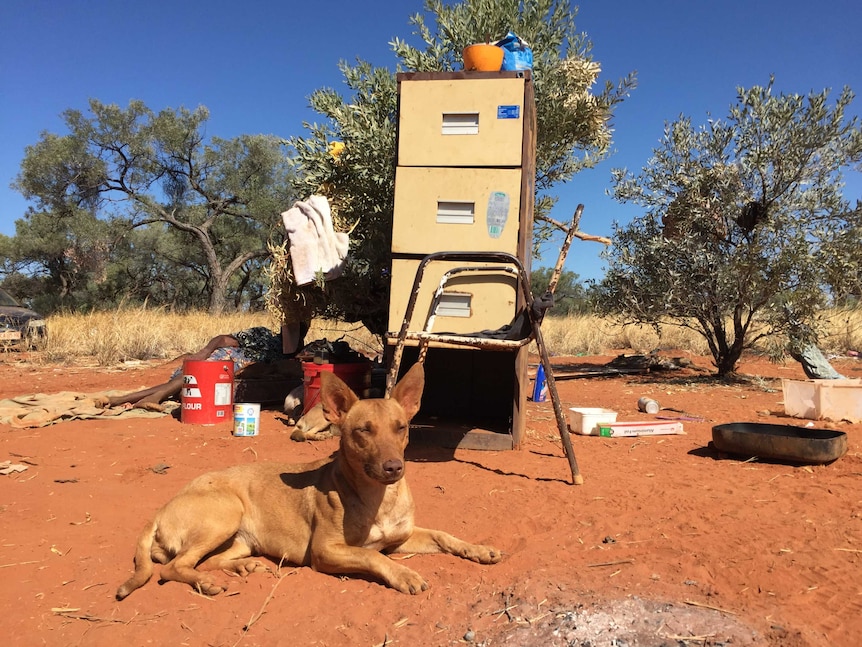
(564, 250)
(70, 613)
(619, 561)
(592, 238)
(572, 230)
(690, 639)
(707, 606)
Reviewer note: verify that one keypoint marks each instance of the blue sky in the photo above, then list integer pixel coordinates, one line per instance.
(254, 63)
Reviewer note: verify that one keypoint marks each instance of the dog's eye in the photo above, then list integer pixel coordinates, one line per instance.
(402, 429)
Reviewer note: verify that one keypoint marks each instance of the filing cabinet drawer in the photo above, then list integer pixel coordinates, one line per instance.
(473, 301)
(439, 209)
(461, 122)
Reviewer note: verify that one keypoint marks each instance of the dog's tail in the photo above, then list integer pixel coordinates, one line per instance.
(143, 562)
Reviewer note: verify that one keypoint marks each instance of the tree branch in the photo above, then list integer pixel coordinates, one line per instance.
(577, 234)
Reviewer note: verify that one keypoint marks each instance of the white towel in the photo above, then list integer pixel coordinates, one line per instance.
(315, 246)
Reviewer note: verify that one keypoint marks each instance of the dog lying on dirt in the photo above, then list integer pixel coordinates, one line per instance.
(335, 515)
(314, 426)
(311, 425)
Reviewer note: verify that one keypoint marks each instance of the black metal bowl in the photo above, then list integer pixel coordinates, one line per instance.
(780, 442)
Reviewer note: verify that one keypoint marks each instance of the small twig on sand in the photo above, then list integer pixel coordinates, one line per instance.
(691, 639)
(616, 563)
(263, 606)
(260, 613)
(32, 561)
(708, 606)
(70, 613)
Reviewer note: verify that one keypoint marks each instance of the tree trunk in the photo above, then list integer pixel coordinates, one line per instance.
(727, 359)
(218, 296)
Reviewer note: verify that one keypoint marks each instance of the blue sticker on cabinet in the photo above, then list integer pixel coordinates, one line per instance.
(508, 112)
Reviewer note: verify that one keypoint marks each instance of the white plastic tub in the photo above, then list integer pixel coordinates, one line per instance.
(585, 420)
(823, 399)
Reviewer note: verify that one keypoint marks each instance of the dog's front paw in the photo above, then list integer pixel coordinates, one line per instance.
(484, 554)
(408, 581)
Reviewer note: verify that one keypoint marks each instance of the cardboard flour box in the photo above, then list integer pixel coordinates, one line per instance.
(640, 428)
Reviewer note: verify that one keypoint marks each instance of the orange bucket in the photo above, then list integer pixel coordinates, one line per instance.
(207, 392)
(482, 57)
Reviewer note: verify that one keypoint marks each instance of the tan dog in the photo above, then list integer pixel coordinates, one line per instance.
(314, 426)
(335, 515)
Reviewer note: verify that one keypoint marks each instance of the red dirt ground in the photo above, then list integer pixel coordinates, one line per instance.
(667, 542)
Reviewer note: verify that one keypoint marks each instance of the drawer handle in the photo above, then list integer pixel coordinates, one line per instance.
(453, 212)
(460, 123)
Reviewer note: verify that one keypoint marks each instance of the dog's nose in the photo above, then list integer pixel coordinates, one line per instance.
(393, 468)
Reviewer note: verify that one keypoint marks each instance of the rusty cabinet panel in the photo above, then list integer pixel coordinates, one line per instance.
(471, 302)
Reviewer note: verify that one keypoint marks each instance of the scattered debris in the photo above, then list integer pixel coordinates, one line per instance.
(629, 365)
(632, 622)
(8, 467)
(651, 362)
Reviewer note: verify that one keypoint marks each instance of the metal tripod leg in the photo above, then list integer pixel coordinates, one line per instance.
(562, 425)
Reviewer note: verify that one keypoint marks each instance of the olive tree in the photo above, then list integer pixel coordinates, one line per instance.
(573, 117)
(573, 133)
(744, 223)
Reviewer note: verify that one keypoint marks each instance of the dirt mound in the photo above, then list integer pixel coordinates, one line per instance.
(632, 622)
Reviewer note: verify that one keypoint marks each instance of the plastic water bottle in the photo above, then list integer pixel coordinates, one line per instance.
(540, 388)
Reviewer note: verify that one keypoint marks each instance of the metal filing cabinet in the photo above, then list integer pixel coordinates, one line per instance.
(464, 181)
(463, 119)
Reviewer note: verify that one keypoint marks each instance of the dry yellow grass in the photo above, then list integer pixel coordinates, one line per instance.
(589, 335)
(108, 338)
(125, 334)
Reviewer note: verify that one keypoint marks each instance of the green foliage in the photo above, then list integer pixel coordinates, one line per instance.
(136, 205)
(570, 296)
(359, 182)
(573, 131)
(573, 120)
(66, 254)
(744, 223)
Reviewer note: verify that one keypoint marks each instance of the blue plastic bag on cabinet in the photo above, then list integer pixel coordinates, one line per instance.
(517, 55)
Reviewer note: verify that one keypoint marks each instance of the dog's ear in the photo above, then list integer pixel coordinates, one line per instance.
(408, 391)
(336, 397)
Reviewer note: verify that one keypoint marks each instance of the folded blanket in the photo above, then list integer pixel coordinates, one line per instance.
(315, 246)
(41, 410)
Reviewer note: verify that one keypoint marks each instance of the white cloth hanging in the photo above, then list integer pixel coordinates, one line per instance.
(315, 246)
